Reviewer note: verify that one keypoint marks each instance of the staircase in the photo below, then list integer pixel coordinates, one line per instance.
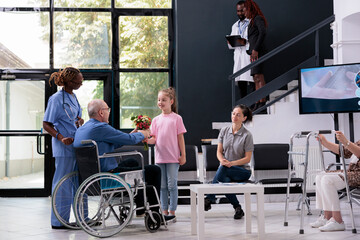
(283, 118)
(285, 78)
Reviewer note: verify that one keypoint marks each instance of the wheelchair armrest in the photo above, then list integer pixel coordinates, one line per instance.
(122, 154)
(335, 165)
(119, 154)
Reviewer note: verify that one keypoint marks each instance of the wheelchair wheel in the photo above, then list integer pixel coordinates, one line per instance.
(63, 198)
(104, 205)
(150, 225)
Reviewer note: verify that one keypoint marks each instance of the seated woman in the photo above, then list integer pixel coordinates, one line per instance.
(328, 184)
(234, 152)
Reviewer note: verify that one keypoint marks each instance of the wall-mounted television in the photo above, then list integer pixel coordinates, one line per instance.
(330, 89)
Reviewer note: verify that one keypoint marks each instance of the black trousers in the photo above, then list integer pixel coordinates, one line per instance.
(245, 88)
(152, 178)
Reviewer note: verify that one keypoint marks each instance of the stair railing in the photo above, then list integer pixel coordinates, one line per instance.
(286, 77)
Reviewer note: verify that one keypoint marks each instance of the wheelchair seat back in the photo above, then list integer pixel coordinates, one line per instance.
(88, 161)
(89, 164)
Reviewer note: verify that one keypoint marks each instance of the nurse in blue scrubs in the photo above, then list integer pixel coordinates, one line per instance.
(61, 120)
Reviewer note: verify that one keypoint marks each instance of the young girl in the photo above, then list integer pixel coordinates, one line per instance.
(167, 132)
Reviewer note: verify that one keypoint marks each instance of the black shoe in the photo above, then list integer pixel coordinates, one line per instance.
(254, 107)
(59, 227)
(261, 104)
(94, 223)
(207, 204)
(98, 223)
(239, 213)
(170, 218)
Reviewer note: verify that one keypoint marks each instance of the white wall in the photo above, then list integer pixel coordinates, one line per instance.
(346, 47)
(346, 31)
(279, 126)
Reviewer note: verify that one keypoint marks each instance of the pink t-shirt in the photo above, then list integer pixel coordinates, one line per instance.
(166, 128)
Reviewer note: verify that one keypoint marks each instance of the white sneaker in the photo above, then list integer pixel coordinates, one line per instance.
(321, 221)
(332, 225)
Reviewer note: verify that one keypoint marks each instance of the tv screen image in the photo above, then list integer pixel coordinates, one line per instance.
(330, 89)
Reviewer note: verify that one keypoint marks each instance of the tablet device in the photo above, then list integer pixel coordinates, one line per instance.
(235, 40)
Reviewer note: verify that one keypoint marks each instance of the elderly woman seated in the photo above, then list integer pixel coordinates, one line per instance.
(328, 184)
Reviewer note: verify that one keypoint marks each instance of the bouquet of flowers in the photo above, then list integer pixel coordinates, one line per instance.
(142, 122)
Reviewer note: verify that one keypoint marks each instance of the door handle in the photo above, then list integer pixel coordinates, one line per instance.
(39, 144)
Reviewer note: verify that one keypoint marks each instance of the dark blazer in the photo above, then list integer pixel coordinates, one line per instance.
(256, 35)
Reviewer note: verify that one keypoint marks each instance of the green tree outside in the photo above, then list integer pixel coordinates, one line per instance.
(83, 40)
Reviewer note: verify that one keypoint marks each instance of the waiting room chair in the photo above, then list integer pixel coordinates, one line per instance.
(270, 167)
(188, 173)
(211, 163)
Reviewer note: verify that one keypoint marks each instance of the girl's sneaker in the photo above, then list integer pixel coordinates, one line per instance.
(169, 219)
(332, 225)
(321, 221)
(174, 219)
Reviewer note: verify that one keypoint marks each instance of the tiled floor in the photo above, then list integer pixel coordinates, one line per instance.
(29, 218)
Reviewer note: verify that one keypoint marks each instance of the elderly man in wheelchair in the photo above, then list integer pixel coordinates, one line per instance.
(104, 201)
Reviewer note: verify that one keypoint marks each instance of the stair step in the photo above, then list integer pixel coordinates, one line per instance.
(290, 98)
(293, 84)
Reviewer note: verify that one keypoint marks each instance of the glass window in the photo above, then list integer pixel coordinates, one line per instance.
(20, 169)
(24, 40)
(138, 95)
(24, 3)
(21, 100)
(143, 3)
(82, 39)
(143, 42)
(83, 3)
(91, 89)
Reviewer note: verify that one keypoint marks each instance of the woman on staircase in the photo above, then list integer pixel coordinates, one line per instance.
(256, 37)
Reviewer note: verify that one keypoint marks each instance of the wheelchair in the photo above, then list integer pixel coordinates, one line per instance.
(102, 203)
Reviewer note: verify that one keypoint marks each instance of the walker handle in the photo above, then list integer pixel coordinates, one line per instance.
(325, 131)
(305, 132)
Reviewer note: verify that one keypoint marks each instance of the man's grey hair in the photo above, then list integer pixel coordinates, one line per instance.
(94, 106)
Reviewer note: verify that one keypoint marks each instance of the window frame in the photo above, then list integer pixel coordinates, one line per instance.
(111, 86)
(116, 13)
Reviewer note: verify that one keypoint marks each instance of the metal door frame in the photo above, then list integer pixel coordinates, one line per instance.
(49, 161)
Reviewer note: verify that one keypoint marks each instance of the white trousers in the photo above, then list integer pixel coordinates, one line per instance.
(327, 186)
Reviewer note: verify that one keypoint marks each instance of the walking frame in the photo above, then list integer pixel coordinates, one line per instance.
(304, 198)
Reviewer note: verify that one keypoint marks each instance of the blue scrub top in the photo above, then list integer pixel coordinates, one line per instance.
(56, 115)
(107, 138)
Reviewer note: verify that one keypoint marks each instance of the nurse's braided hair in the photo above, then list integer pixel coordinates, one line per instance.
(64, 76)
(170, 92)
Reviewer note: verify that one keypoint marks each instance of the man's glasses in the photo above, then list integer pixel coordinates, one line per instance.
(109, 109)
